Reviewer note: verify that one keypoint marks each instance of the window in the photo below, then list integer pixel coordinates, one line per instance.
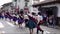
(35, 0)
(27, 0)
(18, 0)
(26, 4)
(42, 0)
(15, 0)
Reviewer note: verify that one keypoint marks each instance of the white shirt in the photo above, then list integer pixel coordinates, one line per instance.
(39, 18)
(26, 17)
(35, 10)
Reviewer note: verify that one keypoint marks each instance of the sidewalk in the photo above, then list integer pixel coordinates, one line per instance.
(56, 27)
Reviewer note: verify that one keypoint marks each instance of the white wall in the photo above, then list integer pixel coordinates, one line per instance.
(58, 10)
(57, 5)
(30, 5)
(21, 4)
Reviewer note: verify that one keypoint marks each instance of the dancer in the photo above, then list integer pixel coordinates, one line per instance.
(10, 17)
(14, 19)
(2, 16)
(20, 20)
(40, 21)
(31, 24)
(6, 16)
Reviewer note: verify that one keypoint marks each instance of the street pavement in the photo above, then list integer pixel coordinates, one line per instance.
(7, 27)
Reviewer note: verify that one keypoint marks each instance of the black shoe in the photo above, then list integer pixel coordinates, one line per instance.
(42, 31)
(37, 32)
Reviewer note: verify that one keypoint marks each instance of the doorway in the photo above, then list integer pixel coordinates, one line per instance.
(49, 11)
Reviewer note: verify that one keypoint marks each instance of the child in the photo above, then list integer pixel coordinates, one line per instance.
(6, 16)
(26, 19)
(20, 20)
(10, 17)
(0, 15)
(14, 19)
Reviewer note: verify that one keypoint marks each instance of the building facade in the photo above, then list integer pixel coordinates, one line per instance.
(19, 4)
(52, 7)
(7, 7)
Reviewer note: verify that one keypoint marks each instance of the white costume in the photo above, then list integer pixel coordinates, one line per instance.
(26, 17)
(39, 18)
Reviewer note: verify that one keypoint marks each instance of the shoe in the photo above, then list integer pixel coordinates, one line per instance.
(37, 32)
(42, 31)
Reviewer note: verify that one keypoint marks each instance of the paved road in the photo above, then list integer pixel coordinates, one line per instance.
(7, 27)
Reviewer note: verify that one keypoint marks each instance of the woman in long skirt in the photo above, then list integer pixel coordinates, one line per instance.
(31, 25)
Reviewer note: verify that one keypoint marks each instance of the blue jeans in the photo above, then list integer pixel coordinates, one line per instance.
(54, 23)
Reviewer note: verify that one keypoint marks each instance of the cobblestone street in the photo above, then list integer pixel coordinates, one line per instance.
(9, 28)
